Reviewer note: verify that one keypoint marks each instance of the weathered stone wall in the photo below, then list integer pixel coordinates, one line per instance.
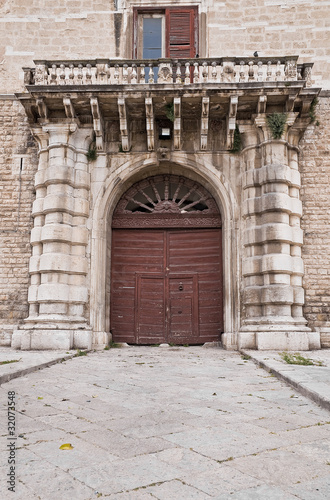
(83, 29)
(315, 195)
(17, 148)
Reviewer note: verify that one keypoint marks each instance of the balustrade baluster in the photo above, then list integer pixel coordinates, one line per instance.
(221, 72)
(196, 72)
(205, 72)
(251, 71)
(88, 74)
(125, 74)
(187, 73)
(142, 74)
(134, 74)
(260, 72)
(278, 71)
(214, 72)
(71, 74)
(107, 73)
(242, 72)
(178, 78)
(116, 75)
(53, 75)
(269, 71)
(80, 75)
(151, 78)
(62, 74)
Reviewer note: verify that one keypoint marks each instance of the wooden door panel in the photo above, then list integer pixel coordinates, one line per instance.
(150, 309)
(183, 308)
(148, 268)
(199, 251)
(133, 251)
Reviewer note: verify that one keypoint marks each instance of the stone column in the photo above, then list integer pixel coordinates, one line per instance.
(58, 295)
(273, 296)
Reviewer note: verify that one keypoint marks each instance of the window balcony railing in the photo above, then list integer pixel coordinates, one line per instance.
(168, 71)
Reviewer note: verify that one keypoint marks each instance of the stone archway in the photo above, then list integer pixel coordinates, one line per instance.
(114, 187)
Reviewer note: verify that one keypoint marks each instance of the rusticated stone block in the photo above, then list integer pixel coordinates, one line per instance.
(288, 341)
(71, 264)
(57, 292)
(56, 232)
(277, 294)
(276, 263)
(252, 295)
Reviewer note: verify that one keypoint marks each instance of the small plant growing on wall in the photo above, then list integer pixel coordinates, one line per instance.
(311, 113)
(276, 123)
(237, 142)
(92, 152)
(169, 111)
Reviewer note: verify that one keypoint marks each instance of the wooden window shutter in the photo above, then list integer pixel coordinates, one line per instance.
(181, 36)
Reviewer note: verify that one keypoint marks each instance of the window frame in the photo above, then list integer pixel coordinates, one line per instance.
(139, 12)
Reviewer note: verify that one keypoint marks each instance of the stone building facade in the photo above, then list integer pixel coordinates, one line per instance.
(165, 173)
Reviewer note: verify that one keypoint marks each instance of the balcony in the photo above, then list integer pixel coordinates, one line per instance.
(128, 101)
(166, 71)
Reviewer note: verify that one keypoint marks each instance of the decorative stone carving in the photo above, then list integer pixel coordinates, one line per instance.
(291, 70)
(262, 103)
(308, 75)
(42, 108)
(231, 121)
(163, 154)
(98, 122)
(177, 123)
(68, 106)
(40, 73)
(165, 74)
(150, 124)
(205, 122)
(123, 124)
(228, 73)
(175, 202)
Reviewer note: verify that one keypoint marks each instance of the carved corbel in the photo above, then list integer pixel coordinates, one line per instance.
(123, 124)
(41, 136)
(42, 108)
(68, 107)
(97, 122)
(30, 109)
(289, 105)
(177, 122)
(306, 100)
(150, 123)
(262, 104)
(231, 121)
(205, 122)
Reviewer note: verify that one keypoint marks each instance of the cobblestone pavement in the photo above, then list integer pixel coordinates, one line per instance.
(166, 423)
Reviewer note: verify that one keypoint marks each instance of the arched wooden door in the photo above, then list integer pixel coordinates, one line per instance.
(166, 268)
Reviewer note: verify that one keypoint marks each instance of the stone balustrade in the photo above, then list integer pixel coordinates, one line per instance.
(168, 71)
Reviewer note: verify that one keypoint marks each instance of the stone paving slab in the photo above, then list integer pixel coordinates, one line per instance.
(311, 381)
(21, 363)
(168, 424)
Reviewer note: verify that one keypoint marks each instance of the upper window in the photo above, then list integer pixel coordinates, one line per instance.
(169, 32)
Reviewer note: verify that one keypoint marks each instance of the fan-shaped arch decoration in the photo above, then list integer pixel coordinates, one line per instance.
(166, 201)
